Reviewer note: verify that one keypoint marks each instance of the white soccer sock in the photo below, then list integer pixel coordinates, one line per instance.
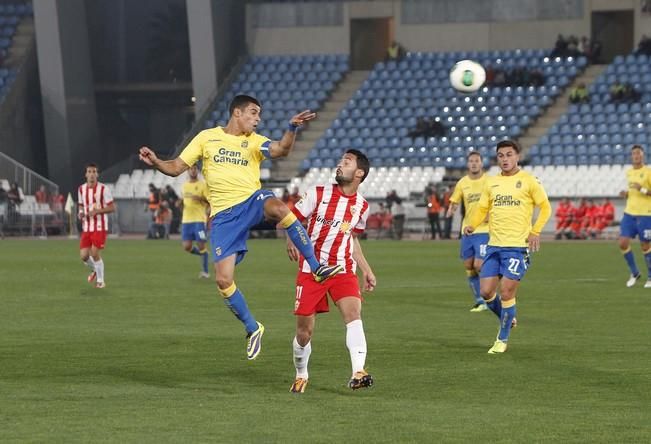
(99, 268)
(90, 263)
(356, 343)
(301, 358)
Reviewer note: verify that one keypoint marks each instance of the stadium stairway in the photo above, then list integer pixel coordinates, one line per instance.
(284, 170)
(21, 41)
(558, 108)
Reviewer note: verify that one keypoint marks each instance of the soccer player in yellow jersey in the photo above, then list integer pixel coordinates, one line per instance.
(637, 215)
(473, 246)
(231, 158)
(509, 200)
(193, 224)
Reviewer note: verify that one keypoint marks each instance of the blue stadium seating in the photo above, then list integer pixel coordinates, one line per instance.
(604, 131)
(397, 93)
(313, 77)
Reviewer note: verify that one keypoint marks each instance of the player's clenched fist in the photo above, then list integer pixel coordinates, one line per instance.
(147, 156)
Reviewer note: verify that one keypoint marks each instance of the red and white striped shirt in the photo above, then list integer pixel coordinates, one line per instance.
(95, 197)
(332, 218)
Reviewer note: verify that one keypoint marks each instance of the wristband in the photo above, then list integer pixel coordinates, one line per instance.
(643, 190)
(291, 127)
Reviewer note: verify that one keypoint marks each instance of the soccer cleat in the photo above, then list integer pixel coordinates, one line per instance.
(254, 342)
(204, 275)
(325, 272)
(498, 347)
(299, 385)
(632, 279)
(514, 323)
(100, 285)
(92, 277)
(647, 284)
(477, 308)
(360, 380)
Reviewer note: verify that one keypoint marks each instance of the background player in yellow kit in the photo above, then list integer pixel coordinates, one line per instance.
(473, 246)
(637, 215)
(509, 200)
(195, 211)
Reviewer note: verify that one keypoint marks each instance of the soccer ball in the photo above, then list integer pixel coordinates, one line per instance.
(467, 76)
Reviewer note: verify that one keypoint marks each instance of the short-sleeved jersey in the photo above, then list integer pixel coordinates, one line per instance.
(231, 165)
(638, 204)
(469, 190)
(332, 219)
(90, 198)
(510, 201)
(194, 210)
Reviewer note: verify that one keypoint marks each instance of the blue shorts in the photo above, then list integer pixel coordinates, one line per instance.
(508, 262)
(473, 245)
(193, 231)
(632, 226)
(229, 229)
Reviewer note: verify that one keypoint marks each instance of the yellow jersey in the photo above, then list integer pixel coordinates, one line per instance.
(637, 204)
(509, 202)
(231, 165)
(469, 190)
(194, 210)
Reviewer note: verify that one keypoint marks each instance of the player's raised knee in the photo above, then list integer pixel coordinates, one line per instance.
(276, 209)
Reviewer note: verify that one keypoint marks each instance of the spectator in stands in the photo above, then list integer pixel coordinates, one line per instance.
(433, 211)
(14, 198)
(623, 92)
(563, 217)
(427, 127)
(578, 213)
(536, 78)
(162, 221)
(3, 210)
(58, 202)
(395, 51)
(172, 200)
(398, 218)
(617, 92)
(589, 219)
(152, 205)
(41, 195)
(579, 94)
(630, 93)
(447, 221)
(560, 47)
(644, 46)
(606, 215)
(392, 197)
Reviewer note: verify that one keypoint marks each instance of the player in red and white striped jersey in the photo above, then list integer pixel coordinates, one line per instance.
(95, 202)
(335, 214)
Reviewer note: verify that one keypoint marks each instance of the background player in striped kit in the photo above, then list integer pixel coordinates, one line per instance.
(95, 203)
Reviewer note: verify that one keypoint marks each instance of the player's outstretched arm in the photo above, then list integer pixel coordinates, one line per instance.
(282, 147)
(369, 278)
(172, 167)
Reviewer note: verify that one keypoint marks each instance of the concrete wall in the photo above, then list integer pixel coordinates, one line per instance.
(435, 37)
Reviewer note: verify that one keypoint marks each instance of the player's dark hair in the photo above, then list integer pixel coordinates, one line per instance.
(473, 153)
(637, 147)
(241, 101)
(362, 162)
(508, 143)
(91, 165)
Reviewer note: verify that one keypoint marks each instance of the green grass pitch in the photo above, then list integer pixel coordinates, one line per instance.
(156, 357)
